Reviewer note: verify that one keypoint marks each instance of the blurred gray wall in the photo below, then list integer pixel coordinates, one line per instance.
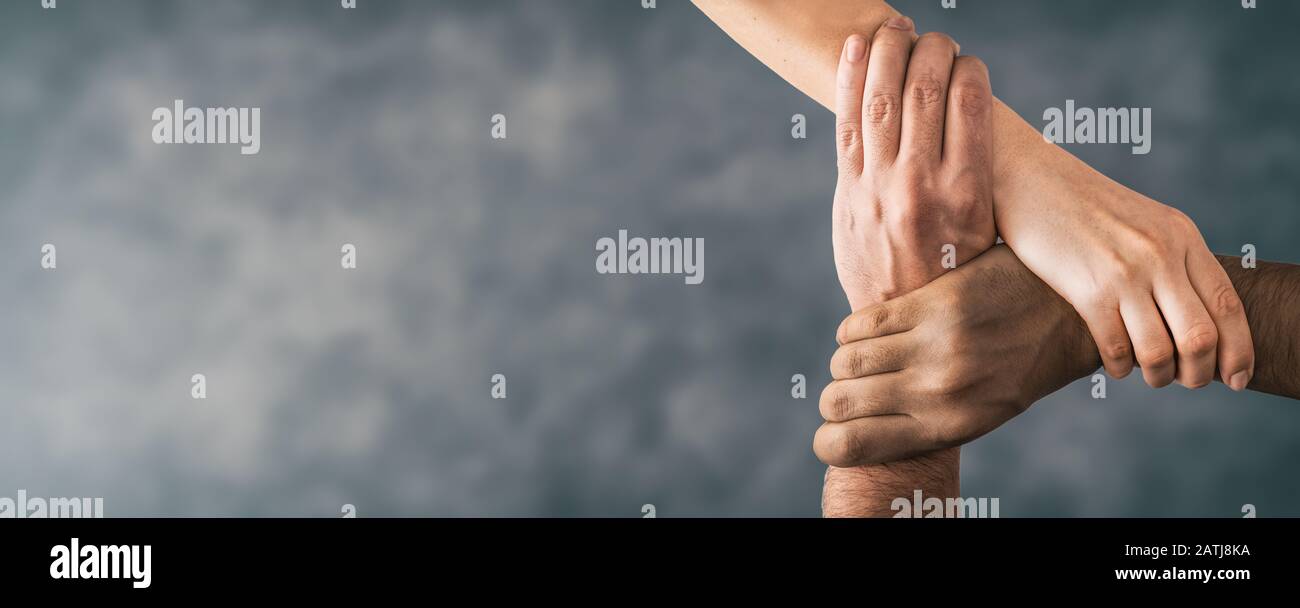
(476, 257)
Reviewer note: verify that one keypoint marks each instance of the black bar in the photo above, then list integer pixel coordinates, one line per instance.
(319, 557)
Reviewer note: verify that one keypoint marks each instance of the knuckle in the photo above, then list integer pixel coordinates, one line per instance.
(926, 91)
(907, 223)
(967, 204)
(913, 188)
(835, 404)
(896, 41)
(1154, 357)
(1201, 340)
(941, 382)
(950, 431)
(864, 324)
(1238, 360)
(963, 337)
(1145, 246)
(835, 445)
(848, 136)
(1180, 219)
(1225, 301)
(856, 362)
(970, 98)
(1116, 351)
(960, 375)
(846, 362)
(1153, 248)
(946, 382)
(882, 107)
(1131, 272)
(873, 320)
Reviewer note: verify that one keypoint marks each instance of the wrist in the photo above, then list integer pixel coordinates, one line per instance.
(1019, 153)
(1065, 347)
(869, 491)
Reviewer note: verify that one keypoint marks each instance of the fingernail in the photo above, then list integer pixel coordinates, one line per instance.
(856, 48)
(900, 23)
(1239, 381)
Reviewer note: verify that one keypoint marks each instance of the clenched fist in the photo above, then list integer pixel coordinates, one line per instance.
(949, 362)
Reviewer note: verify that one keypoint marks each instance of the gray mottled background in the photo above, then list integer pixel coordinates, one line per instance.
(477, 257)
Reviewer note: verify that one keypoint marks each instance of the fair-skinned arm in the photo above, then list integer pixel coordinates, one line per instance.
(1121, 259)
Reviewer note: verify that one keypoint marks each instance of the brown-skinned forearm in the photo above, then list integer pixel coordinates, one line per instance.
(1270, 294)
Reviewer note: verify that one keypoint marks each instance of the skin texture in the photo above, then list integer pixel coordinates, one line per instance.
(914, 153)
(954, 359)
(1269, 293)
(1118, 257)
(914, 149)
(914, 358)
(1122, 259)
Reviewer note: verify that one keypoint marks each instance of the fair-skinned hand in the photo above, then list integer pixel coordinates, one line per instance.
(1137, 271)
(915, 146)
(915, 154)
(947, 363)
(1128, 264)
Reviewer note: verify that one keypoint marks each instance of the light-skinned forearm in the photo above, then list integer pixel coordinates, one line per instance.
(801, 42)
(1089, 238)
